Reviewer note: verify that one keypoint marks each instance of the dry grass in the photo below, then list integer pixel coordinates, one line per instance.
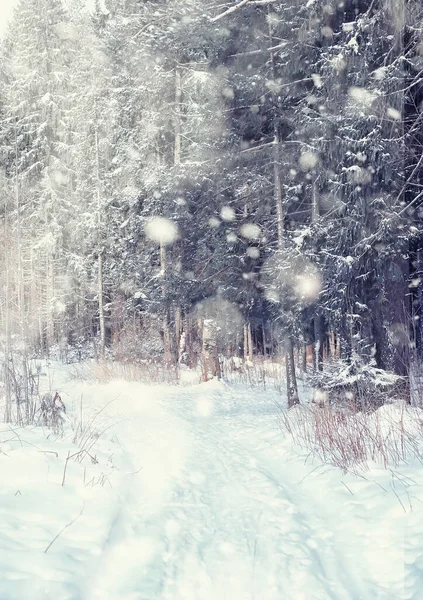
(262, 372)
(389, 436)
(87, 431)
(106, 371)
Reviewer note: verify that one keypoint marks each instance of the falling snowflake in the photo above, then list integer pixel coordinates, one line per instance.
(308, 160)
(227, 213)
(162, 230)
(250, 231)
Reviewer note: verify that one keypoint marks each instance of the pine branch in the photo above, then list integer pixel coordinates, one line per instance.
(229, 11)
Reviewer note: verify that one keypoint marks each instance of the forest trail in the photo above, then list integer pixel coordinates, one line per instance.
(212, 510)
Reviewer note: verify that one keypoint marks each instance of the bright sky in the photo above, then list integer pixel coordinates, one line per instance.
(6, 7)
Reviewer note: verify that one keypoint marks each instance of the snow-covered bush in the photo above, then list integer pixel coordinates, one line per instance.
(27, 401)
(262, 372)
(52, 412)
(138, 340)
(355, 384)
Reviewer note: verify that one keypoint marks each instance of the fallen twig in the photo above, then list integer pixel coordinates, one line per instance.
(63, 529)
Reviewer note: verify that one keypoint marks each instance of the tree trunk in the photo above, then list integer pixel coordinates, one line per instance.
(167, 340)
(49, 301)
(21, 299)
(250, 342)
(7, 390)
(291, 379)
(292, 387)
(178, 102)
(178, 332)
(263, 325)
(210, 358)
(245, 342)
(101, 316)
(319, 341)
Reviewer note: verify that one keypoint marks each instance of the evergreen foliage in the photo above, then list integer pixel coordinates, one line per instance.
(281, 141)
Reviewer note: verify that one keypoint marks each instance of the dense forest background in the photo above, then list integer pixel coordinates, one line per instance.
(196, 179)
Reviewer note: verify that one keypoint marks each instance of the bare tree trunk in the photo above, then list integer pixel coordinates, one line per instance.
(7, 390)
(332, 345)
(177, 150)
(178, 103)
(21, 296)
(7, 387)
(263, 325)
(288, 378)
(167, 336)
(291, 379)
(50, 299)
(34, 302)
(210, 357)
(101, 316)
(319, 342)
(178, 331)
(319, 323)
(315, 208)
(250, 342)
(204, 357)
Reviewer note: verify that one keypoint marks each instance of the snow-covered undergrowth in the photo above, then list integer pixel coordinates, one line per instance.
(262, 372)
(106, 371)
(192, 492)
(391, 435)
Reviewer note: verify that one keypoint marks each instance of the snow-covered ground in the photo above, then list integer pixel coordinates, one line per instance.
(194, 493)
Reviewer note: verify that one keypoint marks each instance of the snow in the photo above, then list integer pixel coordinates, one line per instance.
(253, 252)
(250, 231)
(228, 92)
(162, 230)
(227, 213)
(393, 113)
(348, 27)
(214, 222)
(6, 10)
(361, 97)
(353, 43)
(308, 160)
(317, 80)
(380, 73)
(308, 285)
(338, 62)
(196, 494)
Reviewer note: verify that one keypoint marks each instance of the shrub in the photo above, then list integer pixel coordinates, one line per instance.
(52, 412)
(390, 435)
(355, 383)
(143, 371)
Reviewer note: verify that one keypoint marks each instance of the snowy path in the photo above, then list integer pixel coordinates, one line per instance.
(207, 501)
(215, 514)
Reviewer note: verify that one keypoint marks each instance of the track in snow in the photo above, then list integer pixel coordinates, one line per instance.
(216, 512)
